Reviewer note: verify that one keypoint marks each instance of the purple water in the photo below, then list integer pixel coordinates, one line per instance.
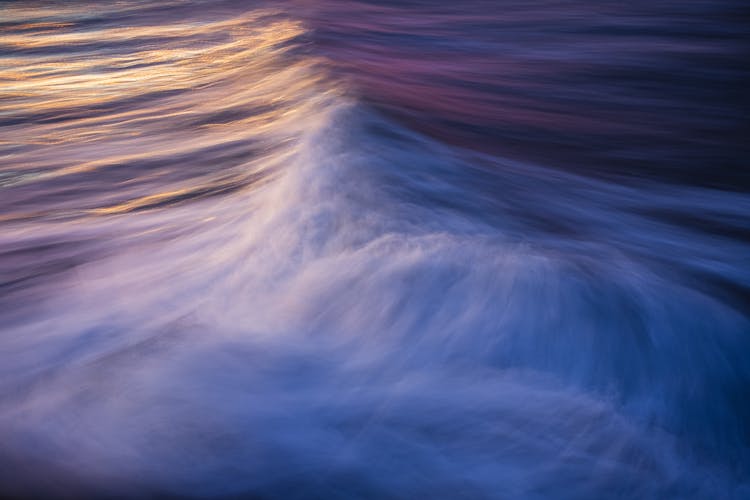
(398, 249)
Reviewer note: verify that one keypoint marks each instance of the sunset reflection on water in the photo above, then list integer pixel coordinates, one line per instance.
(78, 100)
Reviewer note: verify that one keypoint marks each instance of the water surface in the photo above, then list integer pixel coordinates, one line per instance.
(352, 249)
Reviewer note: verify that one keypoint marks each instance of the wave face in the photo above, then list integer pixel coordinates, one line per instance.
(373, 250)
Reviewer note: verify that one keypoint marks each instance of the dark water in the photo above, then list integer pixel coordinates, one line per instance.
(348, 249)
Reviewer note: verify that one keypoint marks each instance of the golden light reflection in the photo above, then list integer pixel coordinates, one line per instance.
(53, 84)
(77, 100)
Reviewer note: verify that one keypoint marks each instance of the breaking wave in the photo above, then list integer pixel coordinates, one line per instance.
(226, 271)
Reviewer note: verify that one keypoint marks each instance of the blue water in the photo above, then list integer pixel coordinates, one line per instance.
(349, 249)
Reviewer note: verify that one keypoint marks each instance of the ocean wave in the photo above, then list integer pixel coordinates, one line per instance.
(241, 278)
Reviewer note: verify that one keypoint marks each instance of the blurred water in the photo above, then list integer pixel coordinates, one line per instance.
(373, 250)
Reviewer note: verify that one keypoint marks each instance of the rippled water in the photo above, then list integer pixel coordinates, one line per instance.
(373, 250)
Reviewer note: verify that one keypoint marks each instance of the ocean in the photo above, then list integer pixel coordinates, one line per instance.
(354, 249)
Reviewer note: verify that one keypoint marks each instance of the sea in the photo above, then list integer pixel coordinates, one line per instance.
(358, 249)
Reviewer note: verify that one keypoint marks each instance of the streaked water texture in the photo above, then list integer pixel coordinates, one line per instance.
(351, 249)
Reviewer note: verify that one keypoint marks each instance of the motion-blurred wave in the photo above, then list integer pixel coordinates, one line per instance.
(292, 251)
